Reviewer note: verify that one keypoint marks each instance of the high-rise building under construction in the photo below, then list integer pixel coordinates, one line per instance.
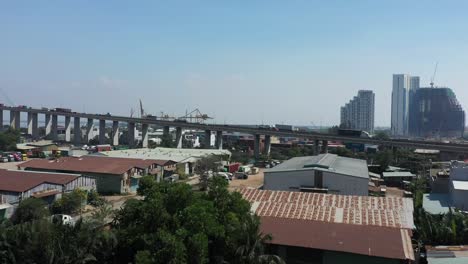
(435, 113)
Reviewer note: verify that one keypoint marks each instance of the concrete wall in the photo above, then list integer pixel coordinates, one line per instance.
(108, 183)
(459, 198)
(336, 183)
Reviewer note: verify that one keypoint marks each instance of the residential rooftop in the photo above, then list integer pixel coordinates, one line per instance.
(325, 162)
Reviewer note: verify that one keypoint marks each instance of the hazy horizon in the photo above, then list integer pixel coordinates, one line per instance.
(294, 62)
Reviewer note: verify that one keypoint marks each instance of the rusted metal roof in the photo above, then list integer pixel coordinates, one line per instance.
(374, 241)
(21, 181)
(375, 226)
(92, 164)
(348, 209)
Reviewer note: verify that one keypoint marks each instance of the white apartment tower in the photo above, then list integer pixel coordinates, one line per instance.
(359, 112)
(404, 87)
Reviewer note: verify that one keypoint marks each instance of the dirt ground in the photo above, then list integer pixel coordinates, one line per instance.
(10, 165)
(394, 192)
(254, 181)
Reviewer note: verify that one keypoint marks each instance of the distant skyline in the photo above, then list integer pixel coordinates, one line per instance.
(292, 62)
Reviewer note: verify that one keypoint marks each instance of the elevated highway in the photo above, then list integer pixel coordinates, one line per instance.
(51, 129)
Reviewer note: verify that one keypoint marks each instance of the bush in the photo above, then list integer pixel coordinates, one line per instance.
(69, 203)
(94, 199)
(28, 210)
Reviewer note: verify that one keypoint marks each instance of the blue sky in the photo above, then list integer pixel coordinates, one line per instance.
(291, 62)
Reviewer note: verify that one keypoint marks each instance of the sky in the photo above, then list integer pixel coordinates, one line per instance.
(244, 62)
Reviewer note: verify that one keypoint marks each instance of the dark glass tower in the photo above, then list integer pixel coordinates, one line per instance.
(436, 112)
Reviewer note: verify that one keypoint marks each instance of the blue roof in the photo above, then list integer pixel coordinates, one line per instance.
(436, 203)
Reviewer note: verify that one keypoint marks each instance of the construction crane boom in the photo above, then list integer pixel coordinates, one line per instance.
(433, 75)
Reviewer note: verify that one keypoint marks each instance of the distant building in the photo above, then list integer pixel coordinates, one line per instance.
(183, 157)
(113, 175)
(359, 112)
(404, 87)
(327, 173)
(18, 185)
(458, 187)
(324, 228)
(436, 112)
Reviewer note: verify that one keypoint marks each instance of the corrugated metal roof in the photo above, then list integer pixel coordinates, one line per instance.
(370, 241)
(92, 164)
(333, 222)
(20, 181)
(178, 155)
(397, 174)
(348, 209)
(326, 162)
(460, 185)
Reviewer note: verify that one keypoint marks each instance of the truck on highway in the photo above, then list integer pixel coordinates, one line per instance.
(285, 127)
(62, 110)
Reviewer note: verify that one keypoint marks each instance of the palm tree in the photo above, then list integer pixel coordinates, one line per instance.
(252, 248)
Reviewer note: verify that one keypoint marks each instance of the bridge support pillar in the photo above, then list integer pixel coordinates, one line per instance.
(179, 137)
(115, 133)
(165, 130)
(219, 139)
(67, 128)
(325, 146)
(144, 135)
(32, 125)
(53, 131)
(316, 147)
(77, 131)
(267, 146)
(207, 141)
(131, 134)
(257, 146)
(15, 119)
(48, 125)
(102, 131)
(89, 130)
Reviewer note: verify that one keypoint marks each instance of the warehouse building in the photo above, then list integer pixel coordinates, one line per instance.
(113, 175)
(184, 157)
(326, 228)
(17, 185)
(327, 173)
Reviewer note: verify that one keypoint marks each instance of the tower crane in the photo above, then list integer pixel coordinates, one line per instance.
(433, 75)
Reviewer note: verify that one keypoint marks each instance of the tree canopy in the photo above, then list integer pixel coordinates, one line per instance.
(170, 224)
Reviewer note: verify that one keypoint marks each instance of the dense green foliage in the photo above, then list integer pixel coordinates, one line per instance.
(70, 202)
(40, 241)
(204, 165)
(171, 224)
(442, 229)
(30, 209)
(9, 139)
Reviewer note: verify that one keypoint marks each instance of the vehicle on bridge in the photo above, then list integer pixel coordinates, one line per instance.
(353, 133)
(285, 128)
(62, 110)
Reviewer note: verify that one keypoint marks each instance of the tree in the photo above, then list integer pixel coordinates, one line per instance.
(174, 224)
(167, 141)
(30, 209)
(70, 202)
(9, 139)
(204, 166)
